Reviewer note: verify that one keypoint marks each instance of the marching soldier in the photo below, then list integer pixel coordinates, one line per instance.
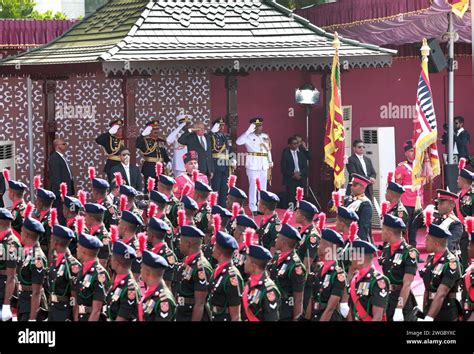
(226, 283)
(99, 196)
(162, 205)
(42, 213)
(289, 273)
(165, 186)
(267, 232)
(259, 158)
(31, 273)
(94, 222)
(191, 165)
(112, 142)
(149, 143)
(92, 282)
(242, 223)
(399, 263)
(16, 192)
(158, 303)
(124, 295)
(127, 228)
(441, 276)
(221, 146)
(63, 271)
(368, 289)
(464, 207)
(208, 248)
(71, 208)
(157, 231)
(238, 196)
(203, 215)
(468, 278)
(184, 123)
(193, 277)
(359, 203)
(344, 218)
(9, 247)
(329, 279)
(131, 194)
(393, 196)
(261, 297)
(403, 176)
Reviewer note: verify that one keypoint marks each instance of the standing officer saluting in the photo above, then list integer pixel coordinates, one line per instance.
(112, 142)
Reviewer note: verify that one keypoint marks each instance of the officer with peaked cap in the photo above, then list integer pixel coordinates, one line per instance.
(112, 142)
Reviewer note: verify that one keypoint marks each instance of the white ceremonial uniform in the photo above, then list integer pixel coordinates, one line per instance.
(179, 150)
(257, 162)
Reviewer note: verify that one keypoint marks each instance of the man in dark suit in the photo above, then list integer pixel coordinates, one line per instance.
(294, 168)
(196, 139)
(130, 174)
(59, 172)
(461, 138)
(360, 164)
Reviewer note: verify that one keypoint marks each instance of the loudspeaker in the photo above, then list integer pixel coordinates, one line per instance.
(436, 61)
(451, 173)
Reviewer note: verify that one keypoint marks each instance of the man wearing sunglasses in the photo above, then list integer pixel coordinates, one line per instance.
(130, 174)
(360, 164)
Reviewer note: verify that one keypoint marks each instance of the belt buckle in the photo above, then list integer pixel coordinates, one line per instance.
(54, 298)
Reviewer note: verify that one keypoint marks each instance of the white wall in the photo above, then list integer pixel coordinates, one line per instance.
(71, 8)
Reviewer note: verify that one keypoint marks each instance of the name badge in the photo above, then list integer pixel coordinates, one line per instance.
(87, 281)
(283, 269)
(116, 294)
(326, 281)
(397, 260)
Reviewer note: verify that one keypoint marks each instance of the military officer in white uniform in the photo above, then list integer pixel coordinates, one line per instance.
(259, 158)
(184, 120)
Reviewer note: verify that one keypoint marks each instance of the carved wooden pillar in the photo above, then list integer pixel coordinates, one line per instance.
(49, 124)
(231, 85)
(129, 86)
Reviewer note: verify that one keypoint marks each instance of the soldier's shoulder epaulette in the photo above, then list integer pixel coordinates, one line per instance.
(339, 269)
(101, 270)
(454, 218)
(269, 284)
(162, 295)
(451, 257)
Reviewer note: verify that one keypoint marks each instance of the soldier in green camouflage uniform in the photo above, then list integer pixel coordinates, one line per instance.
(16, 194)
(95, 226)
(165, 186)
(99, 196)
(42, 213)
(71, 208)
(163, 203)
(267, 232)
(393, 196)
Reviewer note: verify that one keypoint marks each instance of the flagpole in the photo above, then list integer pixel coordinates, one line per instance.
(451, 88)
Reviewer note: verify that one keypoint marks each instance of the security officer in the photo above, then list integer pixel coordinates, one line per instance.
(9, 247)
(31, 273)
(468, 278)
(158, 303)
(464, 208)
(124, 295)
(226, 284)
(221, 147)
(261, 297)
(63, 270)
(94, 222)
(150, 144)
(329, 279)
(259, 158)
(203, 215)
(289, 273)
(112, 142)
(99, 196)
(92, 282)
(267, 232)
(71, 209)
(242, 223)
(184, 121)
(359, 203)
(42, 213)
(165, 186)
(128, 225)
(399, 262)
(162, 205)
(194, 275)
(16, 192)
(191, 164)
(157, 230)
(441, 276)
(393, 196)
(368, 289)
(308, 246)
(224, 217)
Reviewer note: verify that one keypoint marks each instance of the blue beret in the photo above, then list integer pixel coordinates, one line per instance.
(237, 193)
(73, 204)
(167, 180)
(129, 191)
(226, 241)
(333, 237)
(93, 208)
(203, 187)
(308, 207)
(189, 203)
(365, 246)
(33, 225)
(132, 218)
(394, 222)
(5, 214)
(259, 252)
(63, 232)
(438, 232)
(347, 214)
(16, 185)
(290, 232)
(159, 225)
(154, 260)
(223, 212)
(395, 187)
(90, 242)
(244, 220)
(45, 194)
(269, 197)
(159, 198)
(99, 183)
(466, 174)
(191, 231)
(121, 249)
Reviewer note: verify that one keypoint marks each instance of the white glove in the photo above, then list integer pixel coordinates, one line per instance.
(344, 308)
(216, 127)
(251, 129)
(428, 319)
(6, 313)
(270, 164)
(147, 131)
(398, 315)
(114, 129)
